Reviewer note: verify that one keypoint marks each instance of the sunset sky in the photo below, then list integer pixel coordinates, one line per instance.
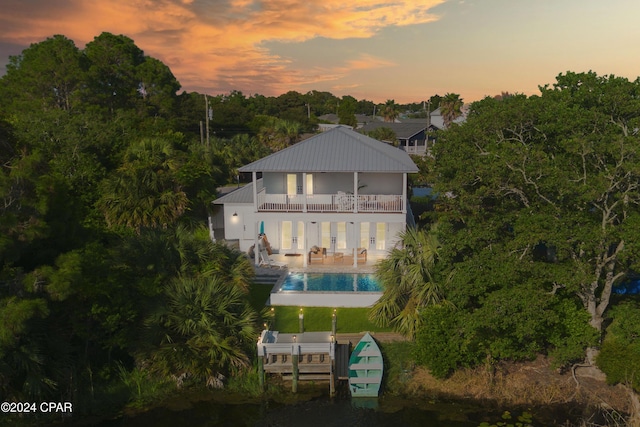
(405, 50)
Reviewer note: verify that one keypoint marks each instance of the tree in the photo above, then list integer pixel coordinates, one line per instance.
(278, 134)
(347, 111)
(546, 185)
(145, 191)
(205, 330)
(389, 111)
(385, 134)
(158, 87)
(410, 283)
(47, 75)
(450, 108)
(113, 80)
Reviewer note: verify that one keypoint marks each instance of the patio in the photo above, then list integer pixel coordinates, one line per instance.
(332, 263)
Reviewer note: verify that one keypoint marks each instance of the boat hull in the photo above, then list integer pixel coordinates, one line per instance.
(365, 368)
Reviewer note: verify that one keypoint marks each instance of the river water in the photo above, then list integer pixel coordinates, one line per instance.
(320, 412)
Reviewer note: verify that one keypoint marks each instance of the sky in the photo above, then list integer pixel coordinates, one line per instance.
(405, 50)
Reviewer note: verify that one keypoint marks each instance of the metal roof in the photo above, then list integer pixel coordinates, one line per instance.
(402, 130)
(241, 195)
(337, 150)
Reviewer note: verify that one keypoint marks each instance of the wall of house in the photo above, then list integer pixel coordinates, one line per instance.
(380, 183)
(246, 225)
(332, 182)
(275, 182)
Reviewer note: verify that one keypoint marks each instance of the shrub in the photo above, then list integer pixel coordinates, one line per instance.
(572, 334)
(619, 357)
(442, 344)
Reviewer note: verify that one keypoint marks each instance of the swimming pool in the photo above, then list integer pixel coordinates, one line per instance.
(330, 282)
(326, 290)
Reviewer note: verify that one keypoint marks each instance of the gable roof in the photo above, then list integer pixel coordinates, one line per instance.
(402, 130)
(337, 150)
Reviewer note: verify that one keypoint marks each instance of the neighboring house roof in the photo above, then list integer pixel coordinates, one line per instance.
(438, 121)
(331, 118)
(336, 150)
(402, 130)
(364, 118)
(323, 127)
(241, 195)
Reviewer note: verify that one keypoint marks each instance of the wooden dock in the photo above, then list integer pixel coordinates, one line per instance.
(310, 356)
(307, 356)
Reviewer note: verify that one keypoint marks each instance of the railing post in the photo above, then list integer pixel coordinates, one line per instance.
(294, 361)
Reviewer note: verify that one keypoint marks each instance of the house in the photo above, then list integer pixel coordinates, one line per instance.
(437, 121)
(411, 135)
(339, 191)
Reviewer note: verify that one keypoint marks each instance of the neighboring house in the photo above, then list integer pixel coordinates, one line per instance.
(411, 135)
(338, 190)
(361, 119)
(437, 121)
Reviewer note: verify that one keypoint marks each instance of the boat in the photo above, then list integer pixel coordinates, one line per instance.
(365, 368)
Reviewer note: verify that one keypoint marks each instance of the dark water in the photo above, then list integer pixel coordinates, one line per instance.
(323, 412)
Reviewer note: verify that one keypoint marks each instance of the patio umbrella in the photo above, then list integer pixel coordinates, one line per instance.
(261, 227)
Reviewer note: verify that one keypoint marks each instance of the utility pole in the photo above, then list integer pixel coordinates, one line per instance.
(209, 113)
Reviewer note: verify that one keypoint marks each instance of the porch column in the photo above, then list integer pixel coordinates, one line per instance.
(355, 192)
(356, 240)
(256, 245)
(304, 191)
(254, 178)
(305, 251)
(404, 193)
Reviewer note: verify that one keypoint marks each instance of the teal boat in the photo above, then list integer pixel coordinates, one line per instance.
(365, 368)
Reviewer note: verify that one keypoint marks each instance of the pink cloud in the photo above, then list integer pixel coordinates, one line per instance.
(217, 46)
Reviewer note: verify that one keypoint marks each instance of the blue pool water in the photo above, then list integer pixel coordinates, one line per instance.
(330, 282)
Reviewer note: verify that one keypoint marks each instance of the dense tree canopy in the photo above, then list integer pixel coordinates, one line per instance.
(539, 203)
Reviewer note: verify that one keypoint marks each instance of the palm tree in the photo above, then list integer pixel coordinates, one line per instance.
(407, 276)
(450, 108)
(384, 134)
(389, 111)
(144, 191)
(279, 133)
(204, 330)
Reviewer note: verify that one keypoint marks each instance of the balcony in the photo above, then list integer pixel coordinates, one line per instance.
(420, 150)
(341, 202)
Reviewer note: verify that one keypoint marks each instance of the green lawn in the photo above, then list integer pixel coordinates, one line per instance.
(285, 318)
(349, 320)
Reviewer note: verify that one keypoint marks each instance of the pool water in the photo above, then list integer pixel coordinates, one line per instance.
(330, 282)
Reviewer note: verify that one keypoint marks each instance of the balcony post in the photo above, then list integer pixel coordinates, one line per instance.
(304, 191)
(355, 192)
(305, 252)
(403, 202)
(254, 178)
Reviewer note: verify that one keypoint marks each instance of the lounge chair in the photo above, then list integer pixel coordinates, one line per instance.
(317, 257)
(266, 261)
(362, 255)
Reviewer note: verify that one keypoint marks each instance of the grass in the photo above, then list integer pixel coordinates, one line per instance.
(399, 362)
(285, 318)
(349, 320)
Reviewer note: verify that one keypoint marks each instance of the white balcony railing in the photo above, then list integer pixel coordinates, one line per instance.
(330, 202)
(414, 149)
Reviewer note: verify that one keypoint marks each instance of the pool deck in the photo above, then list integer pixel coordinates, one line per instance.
(295, 264)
